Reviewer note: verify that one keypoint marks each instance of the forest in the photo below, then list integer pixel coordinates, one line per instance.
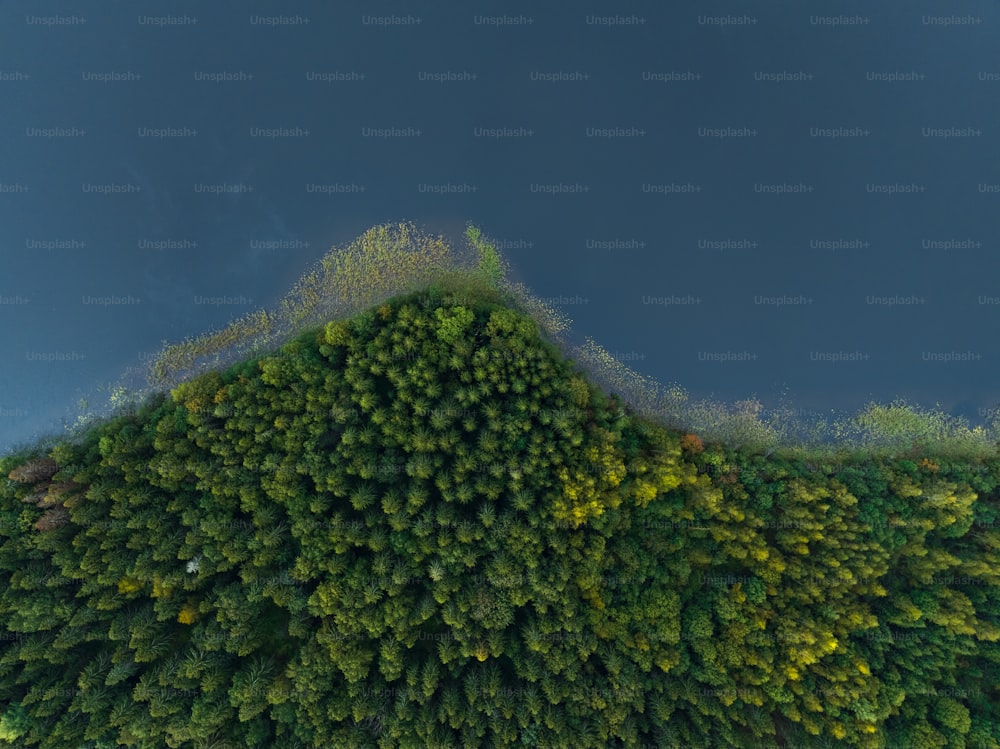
(422, 524)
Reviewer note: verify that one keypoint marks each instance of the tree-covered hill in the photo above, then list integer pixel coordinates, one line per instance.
(423, 526)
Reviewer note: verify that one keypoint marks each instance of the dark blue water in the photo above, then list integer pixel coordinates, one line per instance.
(630, 157)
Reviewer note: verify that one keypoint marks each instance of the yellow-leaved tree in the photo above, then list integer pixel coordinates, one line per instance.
(588, 489)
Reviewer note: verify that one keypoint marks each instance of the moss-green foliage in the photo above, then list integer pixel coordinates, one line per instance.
(453, 323)
(14, 723)
(421, 527)
(490, 263)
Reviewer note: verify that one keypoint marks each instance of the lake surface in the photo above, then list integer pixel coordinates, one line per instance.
(744, 198)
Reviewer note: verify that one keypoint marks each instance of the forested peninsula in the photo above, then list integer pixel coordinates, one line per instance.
(422, 519)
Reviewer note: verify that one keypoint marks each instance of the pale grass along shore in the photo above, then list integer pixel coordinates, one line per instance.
(393, 259)
(386, 261)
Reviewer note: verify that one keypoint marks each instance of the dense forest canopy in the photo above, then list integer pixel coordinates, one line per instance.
(422, 525)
